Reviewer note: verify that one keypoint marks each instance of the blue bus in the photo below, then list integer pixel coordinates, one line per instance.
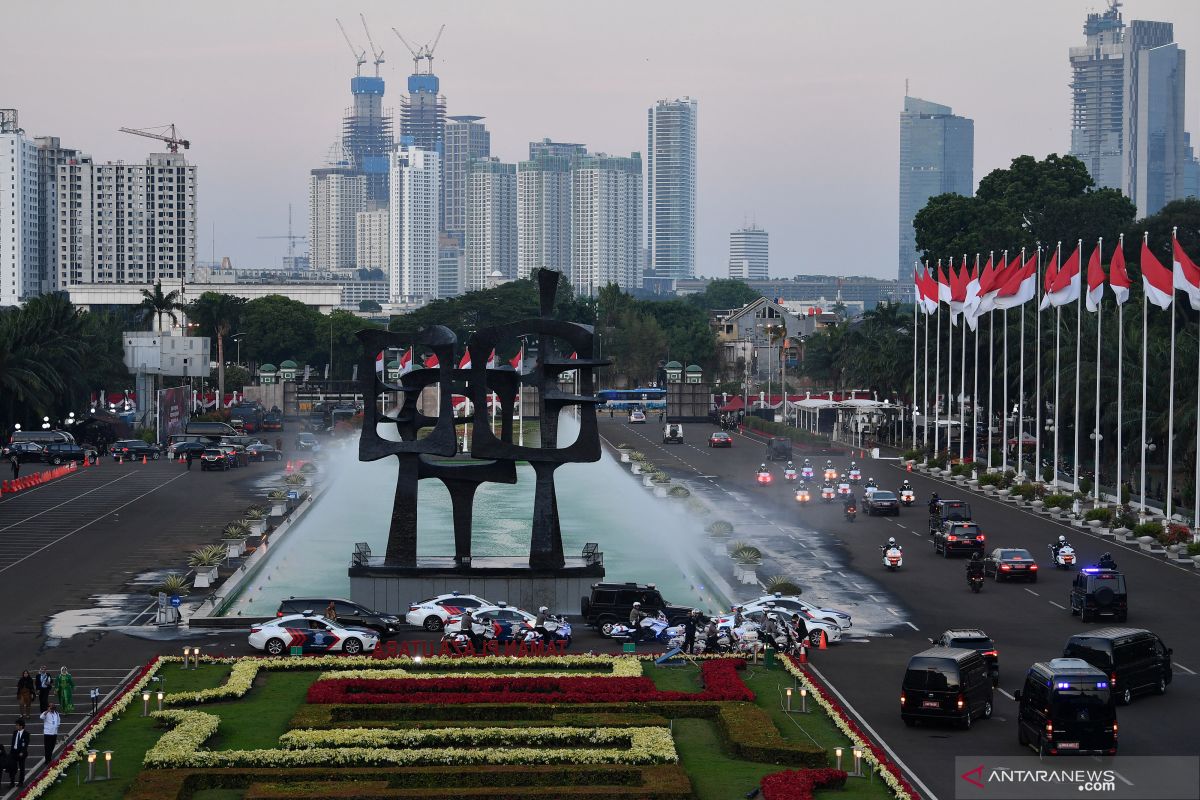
(629, 399)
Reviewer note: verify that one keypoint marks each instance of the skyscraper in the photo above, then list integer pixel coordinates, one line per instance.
(336, 195)
(466, 138)
(544, 212)
(423, 114)
(20, 265)
(373, 248)
(1154, 162)
(671, 188)
(491, 243)
(748, 254)
(367, 137)
(51, 155)
(413, 225)
(548, 148)
(606, 222)
(1097, 92)
(937, 156)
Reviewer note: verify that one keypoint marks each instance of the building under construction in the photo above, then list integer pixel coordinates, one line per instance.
(367, 137)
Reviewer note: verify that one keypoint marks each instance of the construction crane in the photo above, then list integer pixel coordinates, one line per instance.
(378, 54)
(292, 239)
(423, 53)
(164, 133)
(360, 56)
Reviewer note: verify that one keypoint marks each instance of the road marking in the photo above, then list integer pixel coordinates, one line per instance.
(914, 533)
(893, 611)
(1006, 694)
(1032, 592)
(70, 500)
(1182, 667)
(1064, 608)
(882, 742)
(914, 627)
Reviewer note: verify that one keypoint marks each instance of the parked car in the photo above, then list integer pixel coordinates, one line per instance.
(214, 458)
(637, 416)
(130, 449)
(720, 439)
(307, 441)
(24, 452)
(959, 537)
(793, 603)
(181, 449)
(263, 452)
(815, 626)
(236, 454)
(946, 684)
(1136, 660)
(62, 452)
(1008, 563)
(348, 613)
(610, 604)
(311, 634)
(433, 613)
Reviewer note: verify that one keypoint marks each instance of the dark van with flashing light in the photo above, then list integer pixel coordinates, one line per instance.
(946, 684)
(1135, 660)
(1066, 708)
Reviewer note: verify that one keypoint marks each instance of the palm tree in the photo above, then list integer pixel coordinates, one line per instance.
(156, 304)
(218, 314)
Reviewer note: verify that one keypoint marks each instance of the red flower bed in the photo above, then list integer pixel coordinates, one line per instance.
(721, 682)
(799, 784)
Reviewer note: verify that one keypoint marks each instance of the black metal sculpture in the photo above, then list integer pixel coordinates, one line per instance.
(493, 458)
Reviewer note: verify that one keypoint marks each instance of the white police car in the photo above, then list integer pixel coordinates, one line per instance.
(312, 634)
(759, 616)
(432, 614)
(793, 603)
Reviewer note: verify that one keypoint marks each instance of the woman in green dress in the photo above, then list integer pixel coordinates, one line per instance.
(64, 687)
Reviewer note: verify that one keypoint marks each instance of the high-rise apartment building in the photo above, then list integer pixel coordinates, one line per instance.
(671, 188)
(937, 156)
(1154, 163)
(1098, 96)
(414, 207)
(373, 249)
(423, 114)
(336, 195)
(126, 223)
(544, 212)
(548, 148)
(367, 137)
(748, 254)
(606, 222)
(1191, 169)
(51, 156)
(491, 242)
(20, 243)
(452, 268)
(467, 138)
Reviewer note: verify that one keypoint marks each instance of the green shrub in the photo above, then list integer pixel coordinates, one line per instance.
(679, 491)
(912, 455)
(1126, 519)
(1193, 549)
(747, 555)
(1085, 485)
(937, 462)
(1025, 491)
(1154, 529)
(782, 584)
(991, 479)
(277, 494)
(960, 470)
(720, 528)
(750, 733)
(235, 530)
(295, 479)
(1124, 495)
(1105, 515)
(787, 431)
(1057, 500)
(210, 555)
(173, 583)
(255, 512)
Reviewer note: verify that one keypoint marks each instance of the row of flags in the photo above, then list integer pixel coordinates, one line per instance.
(431, 362)
(975, 292)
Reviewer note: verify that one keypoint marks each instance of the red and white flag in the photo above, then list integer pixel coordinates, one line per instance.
(958, 291)
(406, 361)
(1095, 281)
(1048, 282)
(987, 285)
(465, 362)
(518, 359)
(431, 362)
(1118, 278)
(1186, 273)
(1067, 283)
(379, 363)
(943, 283)
(491, 362)
(929, 291)
(1156, 279)
(1011, 291)
(972, 300)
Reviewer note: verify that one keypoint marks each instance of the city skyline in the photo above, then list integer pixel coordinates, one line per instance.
(839, 186)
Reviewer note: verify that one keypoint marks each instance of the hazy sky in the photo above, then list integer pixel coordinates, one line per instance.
(798, 101)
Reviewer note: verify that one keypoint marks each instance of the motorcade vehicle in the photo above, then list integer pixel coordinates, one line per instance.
(850, 512)
(130, 449)
(64, 452)
(1063, 557)
(272, 421)
(1135, 660)
(24, 452)
(186, 442)
(790, 602)
(251, 415)
(881, 502)
(432, 613)
(806, 473)
(214, 458)
(907, 497)
(509, 623)
(843, 490)
(789, 473)
(828, 493)
(672, 432)
(209, 430)
(803, 495)
(973, 639)
(855, 475)
(831, 474)
(893, 556)
(1065, 707)
(946, 684)
(41, 437)
(763, 476)
(1010, 563)
(959, 537)
(947, 511)
(720, 439)
(236, 454)
(1099, 592)
(312, 634)
(779, 448)
(757, 618)
(307, 441)
(262, 452)
(348, 613)
(637, 417)
(611, 603)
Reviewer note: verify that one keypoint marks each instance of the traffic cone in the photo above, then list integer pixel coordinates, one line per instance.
(289, 465)
(3, 487)
(143, 459)
(803, 657)
(908, 467)
(823, 645)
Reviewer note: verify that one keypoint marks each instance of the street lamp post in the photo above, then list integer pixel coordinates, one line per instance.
(1098, 437)
(237, 337)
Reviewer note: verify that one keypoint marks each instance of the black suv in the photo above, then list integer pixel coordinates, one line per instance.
(1098, 592)
(24, 452)
(611, 604)
(348, 613)
(973, 639)
(130, 449)
(779, 449)
(958, 537)
(61, 452)
(1135, 659)
(949, 511)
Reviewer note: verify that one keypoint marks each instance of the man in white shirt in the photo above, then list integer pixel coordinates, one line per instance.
(50, 722)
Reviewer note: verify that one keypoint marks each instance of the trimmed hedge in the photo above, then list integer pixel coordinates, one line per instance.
(750, 733)
(795, 434)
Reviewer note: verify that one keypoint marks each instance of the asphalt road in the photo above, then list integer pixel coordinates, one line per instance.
(1029, 622)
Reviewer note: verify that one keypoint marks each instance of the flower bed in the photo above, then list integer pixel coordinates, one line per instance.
(457, 737)
(800, 784)
(181, 747)
(619, 668)
(873, 754)
(719, 676)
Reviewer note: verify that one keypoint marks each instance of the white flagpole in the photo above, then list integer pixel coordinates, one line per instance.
(1021, 387)
(975, 399)
(1196, 485)
(950, 373)
(1171, 411)
(1037, 368)
(914, 382)
(1004, 395)
(1096, 432)
(1120, 384)
(1078, 336)
(937, 365)
(962, 379)
(1057, 363)
(1145, 306)
(925, 396)
(991, 376)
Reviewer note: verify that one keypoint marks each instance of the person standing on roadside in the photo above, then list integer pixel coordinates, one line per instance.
(689, 631)
(64, 688)
(25, 690)
(50, 722)
(18, 751)
(188, 458)
(16, 468)
(44, 683)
